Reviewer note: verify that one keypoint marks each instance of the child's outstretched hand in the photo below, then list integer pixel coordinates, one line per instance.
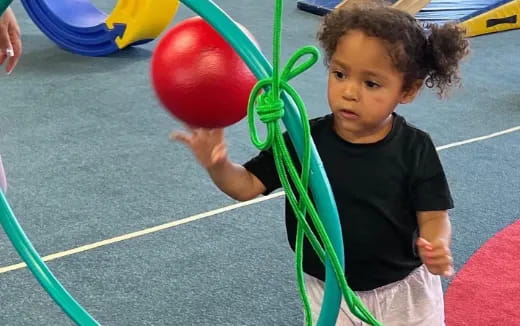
(208, 145)
(10, 40)
(436, 255)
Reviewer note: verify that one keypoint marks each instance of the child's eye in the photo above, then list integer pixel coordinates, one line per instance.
(338, 74)
(372, 84)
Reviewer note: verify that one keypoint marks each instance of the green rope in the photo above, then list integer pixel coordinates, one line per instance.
(269, 107)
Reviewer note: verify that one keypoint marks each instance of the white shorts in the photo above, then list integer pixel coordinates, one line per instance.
(417, 300)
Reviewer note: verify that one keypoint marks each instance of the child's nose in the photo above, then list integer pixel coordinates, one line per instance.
(351, 91)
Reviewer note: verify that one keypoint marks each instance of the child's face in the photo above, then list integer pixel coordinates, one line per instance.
(364, 88)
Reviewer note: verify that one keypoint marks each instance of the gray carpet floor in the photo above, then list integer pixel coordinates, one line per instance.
(85, 145)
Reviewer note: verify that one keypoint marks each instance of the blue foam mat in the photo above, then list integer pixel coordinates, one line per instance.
(437, 11)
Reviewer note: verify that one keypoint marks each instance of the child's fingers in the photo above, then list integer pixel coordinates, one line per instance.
(201, 133)
(424, 244)
(436, 252)
(218, 153)
(441, 261)
(187, 126)
(449, 272)
(439, 243)
(182, 137)
(220, 149)
(218, 132)
(446, 271)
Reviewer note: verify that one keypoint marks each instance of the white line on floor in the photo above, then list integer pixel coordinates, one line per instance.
(145, 231)
(211, 213)
(464, 142)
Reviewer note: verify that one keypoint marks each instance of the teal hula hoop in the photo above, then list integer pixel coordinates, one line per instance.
(325, 203)
(3, 5)
(319, 183)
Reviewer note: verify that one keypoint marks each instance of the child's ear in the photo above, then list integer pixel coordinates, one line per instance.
(409, 95)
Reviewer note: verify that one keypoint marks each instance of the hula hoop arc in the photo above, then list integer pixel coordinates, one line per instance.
(83, 33)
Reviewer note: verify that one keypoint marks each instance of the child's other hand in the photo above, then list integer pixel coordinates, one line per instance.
(10, 40)
(207, 145)
(436, 255)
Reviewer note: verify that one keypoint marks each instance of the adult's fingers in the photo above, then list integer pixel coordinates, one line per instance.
(16, 42)
(5, 44)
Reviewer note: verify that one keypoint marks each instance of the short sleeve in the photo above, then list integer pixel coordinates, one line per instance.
(430, 189)
(264, 168)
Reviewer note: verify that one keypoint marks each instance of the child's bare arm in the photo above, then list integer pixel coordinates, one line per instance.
(210, 150)
(234, 180)
(434, 241)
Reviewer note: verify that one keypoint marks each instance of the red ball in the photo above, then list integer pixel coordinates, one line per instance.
(199, 77)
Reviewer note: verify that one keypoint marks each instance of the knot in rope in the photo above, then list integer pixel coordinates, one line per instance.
(269, 109)
(265, 98)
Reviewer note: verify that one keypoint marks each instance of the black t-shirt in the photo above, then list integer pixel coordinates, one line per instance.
(378, 188)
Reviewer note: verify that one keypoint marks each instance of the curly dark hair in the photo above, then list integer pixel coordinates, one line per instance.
(431, 53)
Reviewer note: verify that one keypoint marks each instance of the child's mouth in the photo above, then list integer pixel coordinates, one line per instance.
(347, 114)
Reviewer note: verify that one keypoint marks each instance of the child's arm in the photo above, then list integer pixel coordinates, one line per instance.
(431, 199)
(235, 181)
(209, 148)
(434, 241)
